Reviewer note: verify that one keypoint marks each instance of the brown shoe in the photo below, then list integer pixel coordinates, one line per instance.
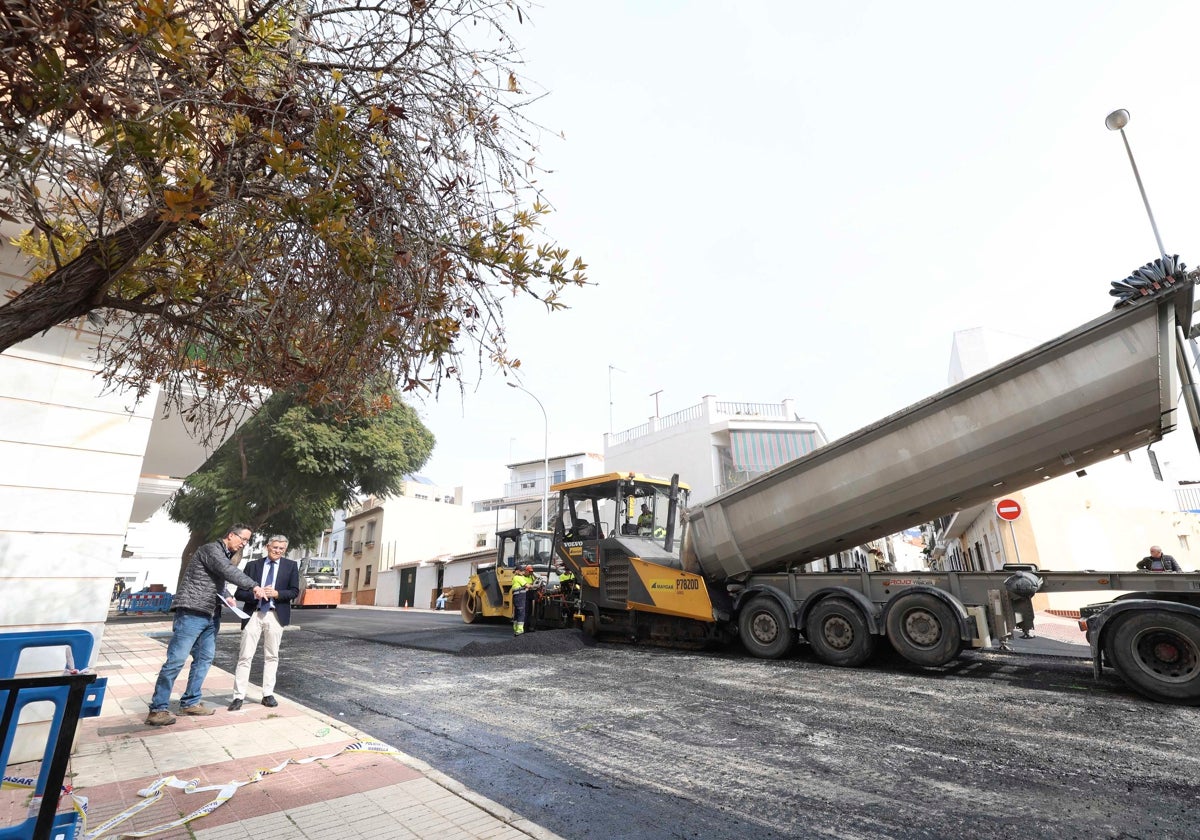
(163, 718)
(198, 709)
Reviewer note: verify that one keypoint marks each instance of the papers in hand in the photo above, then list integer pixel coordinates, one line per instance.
(231, 605)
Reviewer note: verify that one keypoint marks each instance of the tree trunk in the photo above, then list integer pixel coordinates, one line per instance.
(78, 287)
(196, 540)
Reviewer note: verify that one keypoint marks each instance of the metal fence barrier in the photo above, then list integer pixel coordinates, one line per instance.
(144, 602)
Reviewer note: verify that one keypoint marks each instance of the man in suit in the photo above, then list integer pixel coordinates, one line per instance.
(279, 579)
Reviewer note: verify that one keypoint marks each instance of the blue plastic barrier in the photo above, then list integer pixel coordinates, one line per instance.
(73, 695)
(144, 602)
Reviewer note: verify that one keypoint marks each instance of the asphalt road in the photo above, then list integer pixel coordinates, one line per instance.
(613, 741)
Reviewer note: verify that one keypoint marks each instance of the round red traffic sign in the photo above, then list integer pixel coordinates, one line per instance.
(1008, 509)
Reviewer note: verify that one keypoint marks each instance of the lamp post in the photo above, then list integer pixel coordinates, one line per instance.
(545, 450)
(1116, 121)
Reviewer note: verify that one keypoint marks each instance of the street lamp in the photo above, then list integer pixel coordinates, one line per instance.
(545, 451)
(1116, 121)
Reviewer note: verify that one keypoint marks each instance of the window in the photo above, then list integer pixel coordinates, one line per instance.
(481, 540)
(367, 576)
(370, 537)
(346, 582)
(558, 476)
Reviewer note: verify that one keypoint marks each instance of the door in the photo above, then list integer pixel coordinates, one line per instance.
(408, 586)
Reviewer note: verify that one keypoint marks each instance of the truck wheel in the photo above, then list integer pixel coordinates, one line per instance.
(470, 607)
(838, 633)
(1158, 654)
(924, 630)
(764, 629)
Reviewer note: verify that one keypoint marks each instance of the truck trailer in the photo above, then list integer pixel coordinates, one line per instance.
(737, 566)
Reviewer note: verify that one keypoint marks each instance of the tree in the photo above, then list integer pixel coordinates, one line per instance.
(287, 468)
(257, 195)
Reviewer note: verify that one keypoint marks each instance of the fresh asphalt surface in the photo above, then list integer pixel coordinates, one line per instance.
(615, 741)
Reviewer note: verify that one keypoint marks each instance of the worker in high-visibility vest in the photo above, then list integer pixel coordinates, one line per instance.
(522, 582)
(645, 523)
(566, 583)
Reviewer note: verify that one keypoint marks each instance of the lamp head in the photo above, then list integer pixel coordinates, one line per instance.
(1117, 120)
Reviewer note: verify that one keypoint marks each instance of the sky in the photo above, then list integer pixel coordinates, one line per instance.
(806, 200)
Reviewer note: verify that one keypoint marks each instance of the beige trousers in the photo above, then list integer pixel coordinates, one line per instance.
(270, 631)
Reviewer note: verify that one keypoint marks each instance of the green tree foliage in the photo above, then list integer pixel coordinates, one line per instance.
(288, 467)
(262, 195)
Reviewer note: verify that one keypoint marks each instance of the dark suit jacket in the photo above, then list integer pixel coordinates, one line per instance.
(287, 581)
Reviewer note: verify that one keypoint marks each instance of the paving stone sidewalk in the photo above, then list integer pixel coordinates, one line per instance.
(352, 795)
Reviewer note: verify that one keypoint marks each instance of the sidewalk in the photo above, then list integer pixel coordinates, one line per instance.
(355, 794)
(1053, 635)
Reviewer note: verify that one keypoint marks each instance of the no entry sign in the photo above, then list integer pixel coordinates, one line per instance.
(1008, 509)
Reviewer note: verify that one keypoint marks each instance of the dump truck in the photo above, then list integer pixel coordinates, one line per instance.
(737, 566)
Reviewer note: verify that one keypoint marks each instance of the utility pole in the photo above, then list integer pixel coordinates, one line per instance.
(655, 395)
(611, 368)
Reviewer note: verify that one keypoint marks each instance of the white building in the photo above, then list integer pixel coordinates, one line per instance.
(78, 466)
(529, 484)
(714, 445)
(393, 544)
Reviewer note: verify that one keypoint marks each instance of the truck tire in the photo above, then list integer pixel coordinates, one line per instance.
(838, 633)
(764, 628)
(924, 629)
(470, 607)
(1158, 655)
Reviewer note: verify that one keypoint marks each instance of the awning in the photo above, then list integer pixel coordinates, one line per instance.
(759, 451)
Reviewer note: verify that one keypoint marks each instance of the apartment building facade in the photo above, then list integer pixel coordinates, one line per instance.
(391, 542)
(714, 445)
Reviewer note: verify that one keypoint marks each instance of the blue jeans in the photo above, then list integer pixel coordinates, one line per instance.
(194, 635)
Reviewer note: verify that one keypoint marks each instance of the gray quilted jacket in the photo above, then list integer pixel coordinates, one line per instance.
(205, 578)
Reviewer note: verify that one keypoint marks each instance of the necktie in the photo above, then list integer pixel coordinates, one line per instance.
(266, 602)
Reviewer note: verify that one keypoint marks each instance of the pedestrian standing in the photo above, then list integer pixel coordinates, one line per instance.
(1156, 561)
(269, 613)
(197, 607)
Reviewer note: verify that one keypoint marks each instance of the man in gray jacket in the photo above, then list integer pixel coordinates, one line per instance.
(197, 608)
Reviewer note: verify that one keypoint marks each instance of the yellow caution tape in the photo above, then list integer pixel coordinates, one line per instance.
(154, 792)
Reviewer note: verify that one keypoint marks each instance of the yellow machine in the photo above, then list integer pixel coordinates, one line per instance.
(487, 595)
(619, 533)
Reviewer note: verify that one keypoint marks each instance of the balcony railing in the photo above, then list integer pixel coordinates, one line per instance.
(711, 410)
(772, 410)
(529, 486)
